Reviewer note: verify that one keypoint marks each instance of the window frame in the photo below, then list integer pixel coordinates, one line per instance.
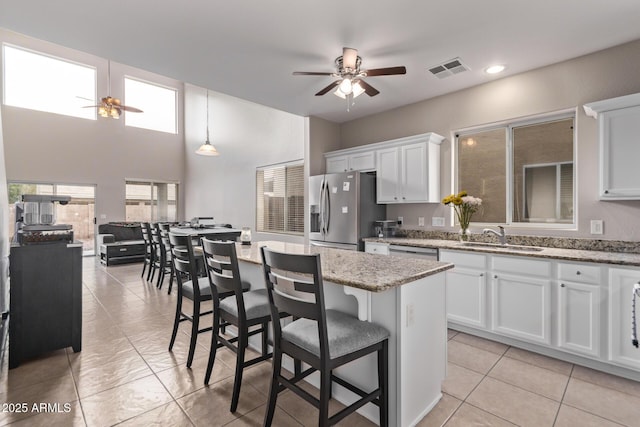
(508, 126)
(154, 202)
(286, 219)
(175, 90)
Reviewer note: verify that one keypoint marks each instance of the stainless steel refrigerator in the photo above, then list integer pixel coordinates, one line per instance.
(342, 209)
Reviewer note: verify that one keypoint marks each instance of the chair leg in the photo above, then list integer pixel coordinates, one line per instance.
(151, 261)
(176, 322)
(325, 396)
(265, 339)
(144, 267)
(160, 278)
(195, 324)
(237, 383)
(273, 388)
(383, 383)
(213, 349)
(170, 281)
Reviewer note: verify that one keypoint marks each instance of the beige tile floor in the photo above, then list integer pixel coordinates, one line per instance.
(125, 375)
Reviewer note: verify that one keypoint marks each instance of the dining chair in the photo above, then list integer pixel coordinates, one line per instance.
(323, 339)
(148, 249)
(234, 305)
(163, 257)
(190, 286)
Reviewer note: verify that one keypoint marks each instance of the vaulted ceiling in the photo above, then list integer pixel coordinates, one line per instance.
(249, 48)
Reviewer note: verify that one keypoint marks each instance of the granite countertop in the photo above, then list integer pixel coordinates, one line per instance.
(361, 270)
(581, 255)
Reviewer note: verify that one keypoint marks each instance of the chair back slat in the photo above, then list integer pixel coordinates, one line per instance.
(184, 261)
(296, 307)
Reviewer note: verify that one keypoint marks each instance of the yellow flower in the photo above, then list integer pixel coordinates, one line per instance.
(462, 193)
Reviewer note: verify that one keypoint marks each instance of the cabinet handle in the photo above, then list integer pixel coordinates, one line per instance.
(495, 276)
(395, 198)
(481, 274)
(562, 285)
(578, 272)
(606, 191)
(351, 169)
(404, 198)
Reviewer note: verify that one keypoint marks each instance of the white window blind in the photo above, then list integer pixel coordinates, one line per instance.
(280, 198)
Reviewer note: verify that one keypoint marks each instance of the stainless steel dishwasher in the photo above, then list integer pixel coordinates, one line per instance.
(413, 252)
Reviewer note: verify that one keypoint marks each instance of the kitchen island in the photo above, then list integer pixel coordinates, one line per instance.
(406, 296)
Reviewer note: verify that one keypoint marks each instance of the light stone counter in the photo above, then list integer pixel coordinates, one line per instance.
(371, 272)
(616, 258)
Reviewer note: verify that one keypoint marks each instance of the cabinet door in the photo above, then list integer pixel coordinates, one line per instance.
(579, 317)
(466, 297)
(387, 175)
(362, 161)
(337, 164)
(621, 350)
(521, 307)
(619, 130)
(414, 173)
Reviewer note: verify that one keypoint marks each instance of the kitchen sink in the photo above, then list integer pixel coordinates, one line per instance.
(499, 246)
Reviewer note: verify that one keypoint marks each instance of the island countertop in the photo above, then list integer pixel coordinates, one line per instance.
(371, 272)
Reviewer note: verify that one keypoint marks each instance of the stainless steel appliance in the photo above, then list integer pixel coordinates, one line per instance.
(343, 209)
(386, 228)
(36, 220)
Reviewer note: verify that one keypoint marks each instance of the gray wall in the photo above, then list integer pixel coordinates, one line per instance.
(47, 147)
(570, 84)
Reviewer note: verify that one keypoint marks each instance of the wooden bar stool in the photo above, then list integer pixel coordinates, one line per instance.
(323, 339)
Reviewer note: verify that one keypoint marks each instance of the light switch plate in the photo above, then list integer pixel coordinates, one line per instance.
(420, 221)
(597, 226)
(437, 221)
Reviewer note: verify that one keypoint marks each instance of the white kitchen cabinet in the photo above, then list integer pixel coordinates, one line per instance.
(618, 129)
(409, 173)
(466, 288)
(359, 161)
(376, 248)
(521, 298)
(579, 301)
(621, 351)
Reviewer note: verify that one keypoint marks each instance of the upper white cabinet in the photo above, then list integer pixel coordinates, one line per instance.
(407, 169)
(618, 128)
(360, 161)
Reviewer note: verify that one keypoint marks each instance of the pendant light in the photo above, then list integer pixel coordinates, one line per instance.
(207, 149)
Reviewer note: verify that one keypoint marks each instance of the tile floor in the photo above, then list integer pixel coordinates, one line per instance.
(125, 375)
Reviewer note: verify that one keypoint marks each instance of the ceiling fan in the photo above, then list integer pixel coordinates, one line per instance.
(112, 107)
(350, 83)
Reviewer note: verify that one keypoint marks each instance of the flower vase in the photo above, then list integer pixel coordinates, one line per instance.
(464, 234)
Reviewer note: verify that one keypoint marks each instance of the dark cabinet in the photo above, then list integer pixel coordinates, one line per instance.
(45, 300)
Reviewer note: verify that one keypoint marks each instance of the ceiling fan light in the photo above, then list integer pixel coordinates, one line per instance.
(357, 89)
(115, 114)
(339, 94)
(102, 112)
(346, 86)
(207, 149)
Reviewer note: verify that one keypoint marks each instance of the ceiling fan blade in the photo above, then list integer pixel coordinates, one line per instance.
(91, 106)
(368, 89)
(310, 73)
(349, 57)
(130, 109)
(390, 71)
(328, 88)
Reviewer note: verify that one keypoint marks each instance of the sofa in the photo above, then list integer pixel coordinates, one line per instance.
(120, 243)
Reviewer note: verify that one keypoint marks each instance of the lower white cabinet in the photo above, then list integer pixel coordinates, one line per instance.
(621, 351)
(579, 317)
(376, 248)
(466, 288)
(521, 307)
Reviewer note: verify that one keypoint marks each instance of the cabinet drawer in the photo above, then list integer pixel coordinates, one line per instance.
(582, 273)
(376, 248)
(521, 266)
(464, 259)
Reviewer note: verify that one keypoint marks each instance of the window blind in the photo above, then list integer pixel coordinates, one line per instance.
(280, 198)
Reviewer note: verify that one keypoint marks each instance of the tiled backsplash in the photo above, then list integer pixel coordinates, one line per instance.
(548, 242)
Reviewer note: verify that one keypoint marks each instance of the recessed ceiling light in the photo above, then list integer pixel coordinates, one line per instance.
(494, 69)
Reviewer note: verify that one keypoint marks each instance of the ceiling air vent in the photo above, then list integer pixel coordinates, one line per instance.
(448, 68)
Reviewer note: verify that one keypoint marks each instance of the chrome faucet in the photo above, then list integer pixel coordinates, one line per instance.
(502, 235)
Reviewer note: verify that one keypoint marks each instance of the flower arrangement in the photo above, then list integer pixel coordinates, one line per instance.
(464, 206)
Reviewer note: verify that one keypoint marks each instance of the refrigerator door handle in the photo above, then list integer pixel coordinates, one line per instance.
(322, 208)
(327, 208)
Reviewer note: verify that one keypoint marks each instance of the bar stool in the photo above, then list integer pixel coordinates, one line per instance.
(323, 339)
(190, 286)
(148, 249)
(234, 306)
(163, 257)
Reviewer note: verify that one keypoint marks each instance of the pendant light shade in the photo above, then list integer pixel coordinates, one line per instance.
(207, 149)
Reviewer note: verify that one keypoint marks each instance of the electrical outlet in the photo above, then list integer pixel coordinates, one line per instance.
(437, 221)
(420, 221)
(597, 226)
(400, 220)
(103, 216)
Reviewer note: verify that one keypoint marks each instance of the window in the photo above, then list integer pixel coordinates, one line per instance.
(44, 83)
(280, 198)
(158, 103)
(522, 171)
(151, 201)
(79, 212)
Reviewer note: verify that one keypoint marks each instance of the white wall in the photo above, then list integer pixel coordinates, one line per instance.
(247, 135)
(47, 147)
(570, 84)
